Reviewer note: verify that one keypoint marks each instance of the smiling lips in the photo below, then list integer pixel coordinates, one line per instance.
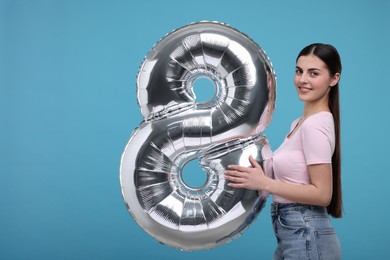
(304, 89)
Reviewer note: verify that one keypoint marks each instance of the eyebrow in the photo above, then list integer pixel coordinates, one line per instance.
(311, 69)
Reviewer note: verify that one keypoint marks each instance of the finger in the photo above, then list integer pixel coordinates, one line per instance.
(233, 173)
(235, 185)
(230, 180)
(233, 179)
(238, 168)
(254, 163)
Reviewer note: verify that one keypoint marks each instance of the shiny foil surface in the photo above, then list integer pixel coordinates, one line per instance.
(177, 129)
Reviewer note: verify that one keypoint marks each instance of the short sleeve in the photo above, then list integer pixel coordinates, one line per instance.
(318, 138)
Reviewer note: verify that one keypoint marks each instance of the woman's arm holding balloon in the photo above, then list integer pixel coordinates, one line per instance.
(318, 192)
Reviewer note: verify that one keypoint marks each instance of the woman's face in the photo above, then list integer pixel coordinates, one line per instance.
(312, 79)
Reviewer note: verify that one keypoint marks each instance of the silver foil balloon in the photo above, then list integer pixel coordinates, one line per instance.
(177, 129)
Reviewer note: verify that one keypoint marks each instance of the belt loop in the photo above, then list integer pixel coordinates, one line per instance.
(275, 207)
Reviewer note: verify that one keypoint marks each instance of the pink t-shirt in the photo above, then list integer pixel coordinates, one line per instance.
(312, 143)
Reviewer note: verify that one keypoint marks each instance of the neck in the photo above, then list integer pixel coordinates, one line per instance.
(314, 108)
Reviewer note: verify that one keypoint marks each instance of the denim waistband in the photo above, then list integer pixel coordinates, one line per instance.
(277, 208)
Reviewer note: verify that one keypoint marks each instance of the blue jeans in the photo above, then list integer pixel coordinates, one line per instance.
(304, 232)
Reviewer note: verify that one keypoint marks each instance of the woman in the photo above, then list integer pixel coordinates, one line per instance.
(307, 186)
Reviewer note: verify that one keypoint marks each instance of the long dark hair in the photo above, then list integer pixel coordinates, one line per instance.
(330, 56)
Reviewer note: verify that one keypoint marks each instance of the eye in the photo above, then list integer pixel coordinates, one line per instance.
(314, 74)
(298, 71)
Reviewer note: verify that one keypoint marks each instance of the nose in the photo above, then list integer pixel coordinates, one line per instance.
(302, 78)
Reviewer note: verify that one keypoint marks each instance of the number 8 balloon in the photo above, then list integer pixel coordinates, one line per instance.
(177, 129)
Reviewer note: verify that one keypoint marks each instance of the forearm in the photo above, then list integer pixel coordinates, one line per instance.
(305, 193)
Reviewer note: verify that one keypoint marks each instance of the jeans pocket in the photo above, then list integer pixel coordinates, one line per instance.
(328, 244)
(291, 220)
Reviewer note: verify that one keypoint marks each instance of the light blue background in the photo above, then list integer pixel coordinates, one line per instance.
(68, 107)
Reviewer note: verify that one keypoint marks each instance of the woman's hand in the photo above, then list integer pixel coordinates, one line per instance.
(245, 177)
(318, 192)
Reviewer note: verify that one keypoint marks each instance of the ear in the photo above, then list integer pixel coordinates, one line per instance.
(335, 79)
